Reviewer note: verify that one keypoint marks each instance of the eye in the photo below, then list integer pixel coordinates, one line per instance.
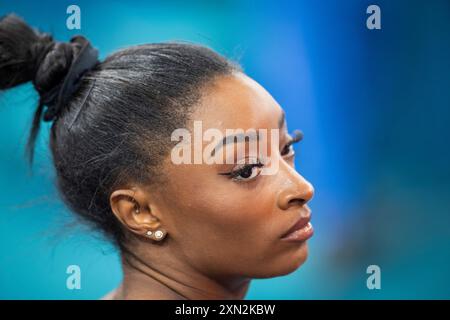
(245, 172)
(288, 149)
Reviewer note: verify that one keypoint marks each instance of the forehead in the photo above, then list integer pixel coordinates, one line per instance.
(237, 101)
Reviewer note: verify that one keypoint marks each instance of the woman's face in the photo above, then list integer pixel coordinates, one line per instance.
(232, 225)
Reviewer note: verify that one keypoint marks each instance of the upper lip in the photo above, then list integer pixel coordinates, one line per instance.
(305, 217)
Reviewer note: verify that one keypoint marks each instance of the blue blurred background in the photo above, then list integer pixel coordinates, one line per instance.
(374, 106)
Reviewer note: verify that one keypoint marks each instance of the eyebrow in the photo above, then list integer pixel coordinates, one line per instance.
(234, 138)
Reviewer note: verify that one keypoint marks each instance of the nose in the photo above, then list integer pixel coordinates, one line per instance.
(296, 193)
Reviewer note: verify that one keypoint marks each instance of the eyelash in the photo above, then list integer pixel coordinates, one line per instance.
(238, 172)
(297, 136)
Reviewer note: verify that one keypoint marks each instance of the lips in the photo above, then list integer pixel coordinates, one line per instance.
(301, 230)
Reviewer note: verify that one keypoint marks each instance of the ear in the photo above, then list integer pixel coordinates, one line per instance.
(133, 209)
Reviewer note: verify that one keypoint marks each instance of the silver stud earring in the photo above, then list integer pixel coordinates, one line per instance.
(159, 234)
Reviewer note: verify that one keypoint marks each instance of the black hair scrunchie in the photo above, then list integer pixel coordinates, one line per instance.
(56, 98)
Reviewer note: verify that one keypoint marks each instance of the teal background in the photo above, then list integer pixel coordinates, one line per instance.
(374, 106)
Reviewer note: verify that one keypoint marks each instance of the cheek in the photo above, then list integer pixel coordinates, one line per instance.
(225, 227)
(232, 215)
(220, 208)
(241, 237)
(228, 228)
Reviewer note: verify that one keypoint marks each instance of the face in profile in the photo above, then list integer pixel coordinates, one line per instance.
(228, 220)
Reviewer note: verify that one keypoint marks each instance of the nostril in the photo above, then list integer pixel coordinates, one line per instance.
(296, 201)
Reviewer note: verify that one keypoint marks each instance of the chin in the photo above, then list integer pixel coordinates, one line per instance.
(286, 264)
(297, 259)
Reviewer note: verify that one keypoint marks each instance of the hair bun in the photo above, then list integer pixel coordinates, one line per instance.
(54, 67)
(61, 70)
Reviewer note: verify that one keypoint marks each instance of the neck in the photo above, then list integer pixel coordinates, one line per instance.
(145, 278)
